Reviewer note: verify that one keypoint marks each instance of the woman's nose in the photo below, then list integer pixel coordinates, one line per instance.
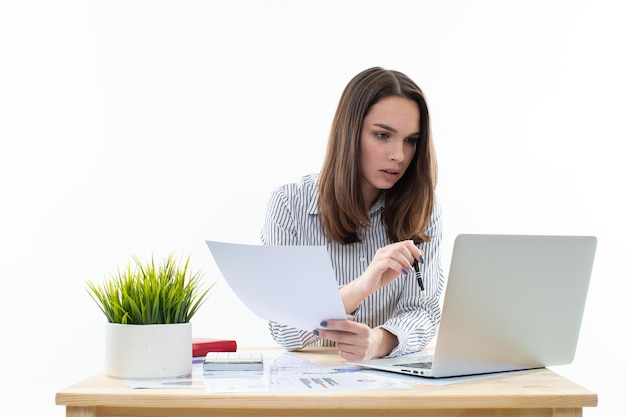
(396, 152)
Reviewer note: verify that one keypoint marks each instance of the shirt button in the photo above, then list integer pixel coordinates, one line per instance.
(362, 259)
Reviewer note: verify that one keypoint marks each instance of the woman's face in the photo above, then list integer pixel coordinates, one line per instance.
(388, 143)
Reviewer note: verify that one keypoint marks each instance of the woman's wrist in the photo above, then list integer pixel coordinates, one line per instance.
(352, 295)
(385, 342)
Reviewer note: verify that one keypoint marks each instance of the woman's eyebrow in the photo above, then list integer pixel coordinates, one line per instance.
(387, 127)
(391, 129)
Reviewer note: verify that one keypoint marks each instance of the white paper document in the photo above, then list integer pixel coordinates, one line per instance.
(282, 372)
(292, 285)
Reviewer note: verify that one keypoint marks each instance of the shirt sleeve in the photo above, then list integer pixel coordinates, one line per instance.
(279, 227)
(417, 316)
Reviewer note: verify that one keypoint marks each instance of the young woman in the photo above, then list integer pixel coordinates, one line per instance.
(373, 206)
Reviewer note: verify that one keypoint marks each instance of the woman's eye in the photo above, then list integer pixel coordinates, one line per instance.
(382, 135)
(412, 139)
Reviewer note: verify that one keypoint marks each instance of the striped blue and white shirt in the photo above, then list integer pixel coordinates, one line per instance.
(292, 219)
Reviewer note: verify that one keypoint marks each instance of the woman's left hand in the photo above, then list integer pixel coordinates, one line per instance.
(356, 341)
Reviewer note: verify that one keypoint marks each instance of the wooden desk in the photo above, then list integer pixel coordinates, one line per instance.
(536, 393)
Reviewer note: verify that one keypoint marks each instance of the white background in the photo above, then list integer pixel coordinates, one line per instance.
(145, 127)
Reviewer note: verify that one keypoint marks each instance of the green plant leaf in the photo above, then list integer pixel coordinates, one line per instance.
(151, 293)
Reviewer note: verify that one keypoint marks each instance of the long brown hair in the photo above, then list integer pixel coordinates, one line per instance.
(409, 203)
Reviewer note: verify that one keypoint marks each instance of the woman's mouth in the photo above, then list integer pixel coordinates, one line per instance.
(392, 174)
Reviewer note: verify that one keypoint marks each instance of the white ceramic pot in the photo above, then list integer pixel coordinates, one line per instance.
(148, 350)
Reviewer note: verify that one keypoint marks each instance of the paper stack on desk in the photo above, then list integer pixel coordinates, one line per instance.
(292, 285)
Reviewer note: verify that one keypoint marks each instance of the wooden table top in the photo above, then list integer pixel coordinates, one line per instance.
(537, 388)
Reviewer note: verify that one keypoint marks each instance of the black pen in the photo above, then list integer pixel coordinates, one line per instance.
(418, 274)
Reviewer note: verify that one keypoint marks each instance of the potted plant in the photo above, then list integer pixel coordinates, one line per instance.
(148, 308)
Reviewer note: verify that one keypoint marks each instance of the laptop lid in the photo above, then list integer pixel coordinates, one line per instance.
(512, 302)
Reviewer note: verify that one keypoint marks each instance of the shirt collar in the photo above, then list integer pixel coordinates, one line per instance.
(378, 205)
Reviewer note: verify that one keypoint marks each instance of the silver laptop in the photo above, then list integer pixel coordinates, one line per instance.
(512, 302)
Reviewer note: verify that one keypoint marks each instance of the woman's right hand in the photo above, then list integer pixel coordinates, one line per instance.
(389, 263)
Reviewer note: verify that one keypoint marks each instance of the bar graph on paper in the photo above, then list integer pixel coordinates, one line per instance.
(319, 383)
